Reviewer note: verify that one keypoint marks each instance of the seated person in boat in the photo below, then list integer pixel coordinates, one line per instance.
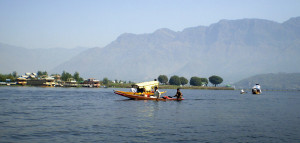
(157, 92)
(178, 94)
(140, 90)
(132, 89)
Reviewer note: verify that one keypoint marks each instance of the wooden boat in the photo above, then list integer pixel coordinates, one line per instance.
(145, 91)
(255, 91)
(134, 96)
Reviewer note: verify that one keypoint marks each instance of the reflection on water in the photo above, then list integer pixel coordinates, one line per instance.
(148, 111)
(98, 115)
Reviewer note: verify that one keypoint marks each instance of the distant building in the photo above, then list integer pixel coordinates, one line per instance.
(36, 82)
(57, 80)
(71, 82)
(49, 82)
(91, 83)
(33, 80)
(29, 75)
(21, 81)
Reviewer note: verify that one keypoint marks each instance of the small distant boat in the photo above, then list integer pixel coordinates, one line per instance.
(145, 91)
(242, 91)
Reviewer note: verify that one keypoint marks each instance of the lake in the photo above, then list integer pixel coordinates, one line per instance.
(33, 114)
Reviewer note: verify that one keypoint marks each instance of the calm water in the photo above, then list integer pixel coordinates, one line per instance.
(29, 114)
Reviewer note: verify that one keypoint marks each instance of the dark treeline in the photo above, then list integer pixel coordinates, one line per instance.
(174, 80)
(194, 81)
(42, 74)
(11, 77)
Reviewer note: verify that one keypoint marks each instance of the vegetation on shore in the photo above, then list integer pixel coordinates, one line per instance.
(195, 87)
(194, 81)
(11, 77)
(174, 82)
(128, 85)
(279, 81)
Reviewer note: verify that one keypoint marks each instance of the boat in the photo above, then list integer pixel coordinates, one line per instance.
(243, 92)
(256, 89)
(134, 96)
(145, 91)
(145, 88)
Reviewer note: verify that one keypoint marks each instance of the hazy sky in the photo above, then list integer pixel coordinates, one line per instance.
(96, 23)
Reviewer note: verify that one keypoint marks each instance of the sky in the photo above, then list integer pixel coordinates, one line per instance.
(96, 23)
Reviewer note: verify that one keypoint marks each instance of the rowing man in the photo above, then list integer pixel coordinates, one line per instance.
(157, 93)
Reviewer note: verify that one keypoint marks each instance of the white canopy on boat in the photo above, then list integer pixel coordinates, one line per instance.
(147, 85)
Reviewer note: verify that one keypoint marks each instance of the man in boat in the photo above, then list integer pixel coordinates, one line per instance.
(178, 94)
(157, 92)
(133, 89)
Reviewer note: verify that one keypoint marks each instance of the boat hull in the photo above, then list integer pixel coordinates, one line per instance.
(255, 91)
(138, 96)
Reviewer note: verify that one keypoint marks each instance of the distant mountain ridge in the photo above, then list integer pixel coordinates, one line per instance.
(232, 49)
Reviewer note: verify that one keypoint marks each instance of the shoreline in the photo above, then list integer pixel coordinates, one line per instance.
(195, 87)
(129, 86)
(160, 87)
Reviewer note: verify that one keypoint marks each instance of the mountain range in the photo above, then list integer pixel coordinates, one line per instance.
(231, 49)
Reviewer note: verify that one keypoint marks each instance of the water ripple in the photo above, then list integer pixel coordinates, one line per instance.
(98, 115)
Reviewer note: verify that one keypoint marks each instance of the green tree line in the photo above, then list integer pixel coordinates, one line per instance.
(174, 80)
(194, 81)
(65, 76)
(12, 77)
(42, 74)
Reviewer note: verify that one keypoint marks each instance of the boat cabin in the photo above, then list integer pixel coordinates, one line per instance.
(146, 86)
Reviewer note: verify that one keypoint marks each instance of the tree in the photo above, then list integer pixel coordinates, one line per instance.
(204, 81)
(45, 73)
(183, 81)
(42, 74)
(65, 76)
(175, 80)
(77, 77)
(39, 73)
(105, 80)
(3, 77)
(195, 81)
(163, 79)
(130, 82)
(15, 75)
(11, 77)
(215, 80)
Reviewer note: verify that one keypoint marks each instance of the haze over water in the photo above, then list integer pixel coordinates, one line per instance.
(30, 114)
